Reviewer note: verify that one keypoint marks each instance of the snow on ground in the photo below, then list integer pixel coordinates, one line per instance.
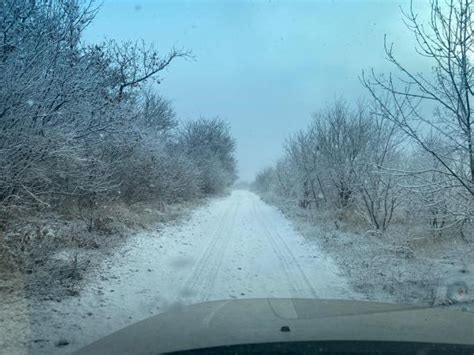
(236, 247)
(407, 264)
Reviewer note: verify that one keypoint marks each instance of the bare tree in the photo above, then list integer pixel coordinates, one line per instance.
(156, 114)
(342, 137)
(135, 63)
(81, 124)
(379, 193)
(209, 143)
(346, 159)
(447, 40)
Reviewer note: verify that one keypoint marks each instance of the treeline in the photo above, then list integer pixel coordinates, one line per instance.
(408, 154)
(346, 159)
(79, 124)
(353, 161)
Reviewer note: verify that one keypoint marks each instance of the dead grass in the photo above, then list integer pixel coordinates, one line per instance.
(408, 263)
(50, 253)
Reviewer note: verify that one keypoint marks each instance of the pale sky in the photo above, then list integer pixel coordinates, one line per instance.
(263, 66)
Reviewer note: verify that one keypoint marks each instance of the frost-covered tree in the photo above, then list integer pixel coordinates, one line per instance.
(81, 124)
(346, 160)
(446, 39)
(209, 143)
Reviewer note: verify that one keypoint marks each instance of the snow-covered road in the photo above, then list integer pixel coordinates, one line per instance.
(235, 247)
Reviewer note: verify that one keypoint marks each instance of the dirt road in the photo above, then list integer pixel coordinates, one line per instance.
(235, 247)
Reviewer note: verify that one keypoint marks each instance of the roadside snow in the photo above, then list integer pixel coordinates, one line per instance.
(404, 265)
(236, 247)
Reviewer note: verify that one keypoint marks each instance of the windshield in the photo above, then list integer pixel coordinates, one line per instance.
(157, 154)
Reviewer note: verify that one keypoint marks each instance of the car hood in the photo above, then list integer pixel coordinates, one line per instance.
(253, 321)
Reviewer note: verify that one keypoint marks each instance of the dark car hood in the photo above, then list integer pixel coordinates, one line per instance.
(252, 321)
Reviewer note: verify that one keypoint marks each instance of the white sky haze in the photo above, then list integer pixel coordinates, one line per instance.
(263, 66)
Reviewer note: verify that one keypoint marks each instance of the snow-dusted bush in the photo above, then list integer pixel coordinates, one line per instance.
(352, 159)
(434, 109)
(343, 160)
(209, 144)
(79, 125)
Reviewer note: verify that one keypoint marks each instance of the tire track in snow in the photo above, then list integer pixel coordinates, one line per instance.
(201, 282)
(297, 279)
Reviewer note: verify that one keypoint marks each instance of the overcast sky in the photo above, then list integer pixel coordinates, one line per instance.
(263, 66)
